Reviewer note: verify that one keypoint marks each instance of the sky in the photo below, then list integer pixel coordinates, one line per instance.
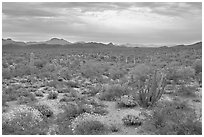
(117, 22)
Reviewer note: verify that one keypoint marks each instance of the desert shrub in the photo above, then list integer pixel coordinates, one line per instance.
(72, 110)
(114, 128)
(65, 73)
(187, 91)
(151, 90)
(4, 64)
(190, 127)
(126, 101)
(65, 99)
(39, 93)
(90, 128)
(52, 95)
(18, 60)
(40, 63)
(24, 70)
(131, 120)
(92, 69)
(64, 90)
(52, 83)
(169, 119)
(185, 73)
(72, 84)
(140, 72)
(27, 99)
(100, 111)
(6, 73)
(94, 90)
(23, 120)
(197, 65)
(180, 74)
(111, 92)
(116, 73)
(49, 67)
(87, 124)
(199, 78)
(12, 94)
(44, 110)
(63, 124)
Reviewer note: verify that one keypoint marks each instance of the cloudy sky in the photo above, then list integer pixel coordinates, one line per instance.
(144, 23)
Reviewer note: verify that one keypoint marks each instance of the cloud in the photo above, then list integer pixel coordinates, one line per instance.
(139, 22)
(18, 9)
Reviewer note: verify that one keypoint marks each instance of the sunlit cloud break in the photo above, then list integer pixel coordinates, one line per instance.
(138, 22)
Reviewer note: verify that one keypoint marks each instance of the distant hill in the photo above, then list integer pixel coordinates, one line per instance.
(11, 42)
(53, 41)
(197, 45)
(56, 42)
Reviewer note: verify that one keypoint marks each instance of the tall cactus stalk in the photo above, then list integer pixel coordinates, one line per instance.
(150, 93)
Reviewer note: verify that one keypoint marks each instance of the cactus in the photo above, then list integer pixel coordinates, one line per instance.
(149, 94)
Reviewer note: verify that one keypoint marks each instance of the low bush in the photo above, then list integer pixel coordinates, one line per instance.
(72, 110)
(39, 93)
(26, 99)
(131, 120)
(72, 84)
(87, 124)
(116, 73)
(180, 74)
(6, 73)
(23, 121)
(172, 119)
(64, 125)
(44, 110)
(100, 111)
(197, 65)
(12, 94)
(52, 83)
(126, 101)
(66, 73)
(187, 91)
(114, 128)
(140, 72)
(40, 63)
(52, 95)
(112, 92)
(24, 70)
(90, 127)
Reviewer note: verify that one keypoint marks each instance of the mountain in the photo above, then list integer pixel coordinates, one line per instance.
(53, 41)
(57, 41)
(197, 45)
(11, 42)
(138, 45)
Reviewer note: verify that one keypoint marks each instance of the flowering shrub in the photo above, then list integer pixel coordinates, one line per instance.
(87, 124)
(39, 93)
(197, 65)
(111, 92)
(44, 109)
(23, 120)
(52, 95)
(174, 119)
(126, 101)
(130, 120)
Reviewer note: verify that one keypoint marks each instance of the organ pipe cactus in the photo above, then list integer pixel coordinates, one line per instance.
(151, 92)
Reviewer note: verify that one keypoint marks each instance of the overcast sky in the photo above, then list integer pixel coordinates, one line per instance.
(144, 23)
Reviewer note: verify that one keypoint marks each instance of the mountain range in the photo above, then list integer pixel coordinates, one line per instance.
(53, 41)
(57, 41)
